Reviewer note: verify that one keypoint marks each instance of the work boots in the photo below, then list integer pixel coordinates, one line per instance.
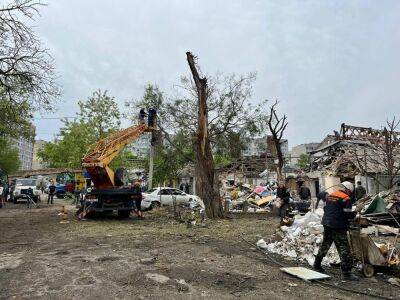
(317, 264)
(349, 276)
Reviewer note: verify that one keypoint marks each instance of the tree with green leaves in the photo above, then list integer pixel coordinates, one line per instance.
(303, 161)
(100, 112)
(152, 98)
(99, 116)
(72, 142)
(169, 160)
(9, 158)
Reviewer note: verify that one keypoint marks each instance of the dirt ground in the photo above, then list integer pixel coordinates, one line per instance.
(107, 258)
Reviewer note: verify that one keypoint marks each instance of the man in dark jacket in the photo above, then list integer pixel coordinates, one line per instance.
(305, 198)
(137, 197)
(52, 190)
(304, 192)
(337, 213)
(284, 195)
(359, 192)
(142, 116)
(151, 118)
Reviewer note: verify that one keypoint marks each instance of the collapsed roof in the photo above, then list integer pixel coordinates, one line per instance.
(356, 150)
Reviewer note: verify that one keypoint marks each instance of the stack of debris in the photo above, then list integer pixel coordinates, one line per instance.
(301, 241)
(383, 208)
(246, 198)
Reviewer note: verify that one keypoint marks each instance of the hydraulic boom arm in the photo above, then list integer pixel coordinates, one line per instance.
(97, 160)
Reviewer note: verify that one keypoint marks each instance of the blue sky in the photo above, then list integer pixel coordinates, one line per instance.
(327, 62)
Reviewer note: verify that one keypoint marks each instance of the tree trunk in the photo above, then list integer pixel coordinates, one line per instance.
(280, 158)
(205, 173)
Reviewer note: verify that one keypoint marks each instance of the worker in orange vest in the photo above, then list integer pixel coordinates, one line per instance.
(337, 212)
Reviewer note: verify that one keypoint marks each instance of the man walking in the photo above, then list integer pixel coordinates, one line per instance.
(137, 197)
(337, 213)
(284, 195)
(52, 190)
(360, 191)
(305, 197)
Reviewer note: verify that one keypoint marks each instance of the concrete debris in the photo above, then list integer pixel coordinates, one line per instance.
(394, 281)
(159, 278)
(182, 285)
(301, 240)
(10, 260)
(148, 261)
(262, 244)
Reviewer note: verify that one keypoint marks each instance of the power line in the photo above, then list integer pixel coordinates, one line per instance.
(53, 118)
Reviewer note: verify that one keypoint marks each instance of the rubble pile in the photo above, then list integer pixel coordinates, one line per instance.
(382, 208)
(301, 241)
(245, 198)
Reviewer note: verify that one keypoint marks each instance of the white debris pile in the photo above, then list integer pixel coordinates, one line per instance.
(301, 241)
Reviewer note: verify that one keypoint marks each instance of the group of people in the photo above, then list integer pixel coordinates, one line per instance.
(336, 221)
(283, 193)
(151, 117)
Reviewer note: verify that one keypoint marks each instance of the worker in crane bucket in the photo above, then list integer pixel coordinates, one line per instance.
(337, 213)
(152, 116)
(137, 197)
(142, 116)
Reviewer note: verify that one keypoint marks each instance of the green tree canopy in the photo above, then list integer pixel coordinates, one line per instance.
(9, 159)
(70, 146)
(152, 98)
(100, 111)
(99, 116)
(303, 161)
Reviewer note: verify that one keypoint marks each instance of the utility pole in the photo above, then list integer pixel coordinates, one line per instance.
(151, 163)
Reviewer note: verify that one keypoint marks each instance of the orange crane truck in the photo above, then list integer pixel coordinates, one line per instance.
(109, 191)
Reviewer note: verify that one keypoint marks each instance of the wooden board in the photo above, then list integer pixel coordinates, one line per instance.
(263, 200)
(304, 273)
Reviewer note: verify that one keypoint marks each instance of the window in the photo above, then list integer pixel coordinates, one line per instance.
(165, 192)
(177, 192)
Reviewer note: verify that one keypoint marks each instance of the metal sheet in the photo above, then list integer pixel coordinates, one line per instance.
(304, 273)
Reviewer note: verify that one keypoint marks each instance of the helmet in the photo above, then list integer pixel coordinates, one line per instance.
(348, 185)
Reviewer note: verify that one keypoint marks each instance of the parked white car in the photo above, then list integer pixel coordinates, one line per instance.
(22, 187)
(164, 196)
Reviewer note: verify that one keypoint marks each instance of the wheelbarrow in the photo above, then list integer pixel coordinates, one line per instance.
(365, 250)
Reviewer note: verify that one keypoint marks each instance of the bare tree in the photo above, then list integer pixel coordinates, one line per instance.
(381, 157)
(228, 105)
(205, 180)
(277, 127)
(27, 77)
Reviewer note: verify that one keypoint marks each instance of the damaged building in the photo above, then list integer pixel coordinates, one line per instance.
(357, 154)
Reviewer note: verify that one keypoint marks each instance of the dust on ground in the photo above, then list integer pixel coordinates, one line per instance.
(155, 258)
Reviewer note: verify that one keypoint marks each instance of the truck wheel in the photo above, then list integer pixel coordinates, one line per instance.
(123, 214)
